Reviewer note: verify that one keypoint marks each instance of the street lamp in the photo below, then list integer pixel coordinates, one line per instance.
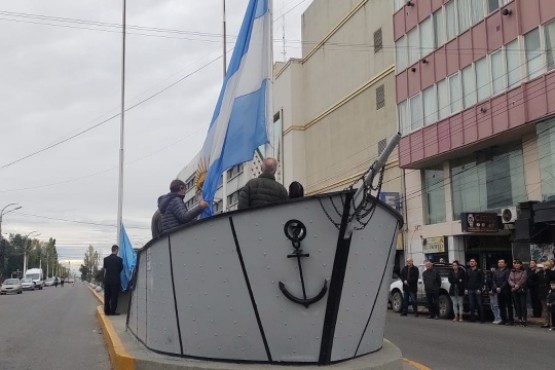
(25, 252)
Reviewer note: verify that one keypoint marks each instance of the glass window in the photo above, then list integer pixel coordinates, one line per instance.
(439, 28)
(401, 53)
(482, 79)
(533, 53)
(434, 195)
(404, 123)
(416, 112)
(413, 46)
(492, 5)
(427, 36)
(463, 12)
(451, 19)
(498, 74)
(546, 152)
(476, 11)
(469, 86)
(430, 105)
(488, 180)
(399, 4)
(550, 44)
(443, 99)
(455, 93)
(513, 63)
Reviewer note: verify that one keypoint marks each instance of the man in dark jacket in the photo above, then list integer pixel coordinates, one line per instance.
(409, 277)
(264, 189)
(113, 265)
(533, 283)
(432, 284)
(174, 211)
(501, 286)
(474, 285)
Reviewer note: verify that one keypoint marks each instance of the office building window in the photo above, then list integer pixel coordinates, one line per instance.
(427, 36)
(415, 112)
(433, 188)
(233, 199)
(404, 122)
(413, 46)
(380, 97)
(488, 180)
(430, 105)
(469, 86)
(546, 152)
(512, 52)
(498, 73)
(476, 11)
(463, 13)
(550, 44)
(482, 79)
(401, 53)
(378, 40)
(443, 99)
(234, 171)
(455, 93)
(439, 28)
(533, 53)
(451, 19)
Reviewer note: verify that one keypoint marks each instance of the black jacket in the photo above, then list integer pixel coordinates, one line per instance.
(457, 282)
(432, 280)
(113, 265)
(261, 191)
(474, 279)
(501, 279)
(410, 275)
(174, 211)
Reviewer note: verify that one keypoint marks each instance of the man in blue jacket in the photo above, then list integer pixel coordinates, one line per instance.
(173, 209)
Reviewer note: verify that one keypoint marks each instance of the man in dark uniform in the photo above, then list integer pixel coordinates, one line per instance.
(113, 265)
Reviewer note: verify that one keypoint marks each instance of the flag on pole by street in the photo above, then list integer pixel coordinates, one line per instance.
(239, 123)
(129, 256)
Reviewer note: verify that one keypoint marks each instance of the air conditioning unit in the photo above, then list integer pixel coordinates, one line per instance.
(508, 215)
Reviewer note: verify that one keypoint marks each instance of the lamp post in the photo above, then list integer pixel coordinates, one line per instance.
(2, 213)
(25, 252)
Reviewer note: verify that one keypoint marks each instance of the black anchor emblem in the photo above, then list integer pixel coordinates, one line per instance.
(296, 231)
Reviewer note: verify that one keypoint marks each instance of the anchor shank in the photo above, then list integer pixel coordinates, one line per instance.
(301, 275)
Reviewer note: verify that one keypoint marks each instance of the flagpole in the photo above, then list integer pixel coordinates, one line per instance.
(121, 136)
(224, 174)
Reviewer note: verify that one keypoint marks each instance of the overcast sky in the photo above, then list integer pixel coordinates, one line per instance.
(60, 78)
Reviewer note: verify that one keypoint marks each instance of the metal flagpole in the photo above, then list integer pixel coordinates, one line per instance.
(121, 136)
(224, 174)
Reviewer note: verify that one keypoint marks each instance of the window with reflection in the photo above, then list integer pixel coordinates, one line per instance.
(546, 153)
(433, 189)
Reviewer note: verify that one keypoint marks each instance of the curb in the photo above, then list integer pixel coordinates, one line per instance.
(120, 359)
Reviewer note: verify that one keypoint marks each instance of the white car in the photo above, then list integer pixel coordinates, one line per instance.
(11, 286)
(28, 284)
(445, 303)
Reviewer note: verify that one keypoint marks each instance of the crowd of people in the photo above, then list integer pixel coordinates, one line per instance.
(508, 291)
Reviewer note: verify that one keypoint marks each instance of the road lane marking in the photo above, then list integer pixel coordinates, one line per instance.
(417, 365)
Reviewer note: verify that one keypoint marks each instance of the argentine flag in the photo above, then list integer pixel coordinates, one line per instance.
(239, 124)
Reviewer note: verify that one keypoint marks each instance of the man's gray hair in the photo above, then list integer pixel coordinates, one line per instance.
(269, 166)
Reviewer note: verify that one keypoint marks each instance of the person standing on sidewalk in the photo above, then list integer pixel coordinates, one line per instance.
(517, 282)
(493, 301)
(501, 286)
(544, 288)
(474, 286)
(409, 277)
(456, 290)
(432, 284)
(113, 265)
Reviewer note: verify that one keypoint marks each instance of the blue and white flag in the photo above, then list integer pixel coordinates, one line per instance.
(129, 256)
(239, 124)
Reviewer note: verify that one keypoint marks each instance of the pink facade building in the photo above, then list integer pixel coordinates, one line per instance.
(475, 90)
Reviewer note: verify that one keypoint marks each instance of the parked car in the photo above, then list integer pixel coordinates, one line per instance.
(49, 281)
(11, 286)
(28, 284)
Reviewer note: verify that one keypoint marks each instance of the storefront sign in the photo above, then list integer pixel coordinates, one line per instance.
(392, 199)
(434, 245)
(479, 222)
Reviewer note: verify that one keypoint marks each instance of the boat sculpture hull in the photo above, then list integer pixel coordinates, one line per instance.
(277, 284)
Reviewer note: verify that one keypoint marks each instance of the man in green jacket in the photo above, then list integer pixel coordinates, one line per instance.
(264, 189)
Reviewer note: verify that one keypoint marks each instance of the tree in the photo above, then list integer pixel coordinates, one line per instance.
(89, 268)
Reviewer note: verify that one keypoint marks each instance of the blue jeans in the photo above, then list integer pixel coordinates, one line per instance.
(406, 297)
(494, 304)
(475, 301)
(457, 304)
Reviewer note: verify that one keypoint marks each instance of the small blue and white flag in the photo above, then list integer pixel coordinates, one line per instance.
(129, 256)
(239, 124)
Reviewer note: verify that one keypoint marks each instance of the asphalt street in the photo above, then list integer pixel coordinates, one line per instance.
(54, 328)
(448, 345)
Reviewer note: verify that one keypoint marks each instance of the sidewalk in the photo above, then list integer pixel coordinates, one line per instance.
(126, 353)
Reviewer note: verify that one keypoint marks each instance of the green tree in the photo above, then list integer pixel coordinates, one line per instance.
(89, 269)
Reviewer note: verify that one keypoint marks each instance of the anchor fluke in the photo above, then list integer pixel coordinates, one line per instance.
(305, 302)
